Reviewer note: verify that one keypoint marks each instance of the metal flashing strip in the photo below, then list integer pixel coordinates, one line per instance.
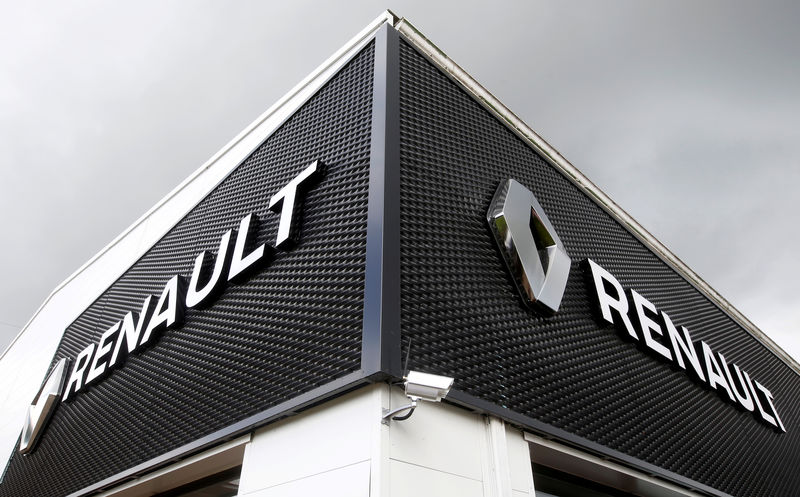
(603, 471)
(27, 358)
(550, 432)
(247, 425)
(214, 460)
(521, 129)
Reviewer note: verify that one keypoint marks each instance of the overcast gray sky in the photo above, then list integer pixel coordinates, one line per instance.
(686, 113)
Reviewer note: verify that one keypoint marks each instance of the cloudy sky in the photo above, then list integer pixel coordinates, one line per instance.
(685, 113)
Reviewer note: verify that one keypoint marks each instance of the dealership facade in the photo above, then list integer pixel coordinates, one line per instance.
(251, 333)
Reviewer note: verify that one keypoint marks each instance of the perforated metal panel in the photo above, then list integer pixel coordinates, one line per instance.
(465, 319)
(293, 326)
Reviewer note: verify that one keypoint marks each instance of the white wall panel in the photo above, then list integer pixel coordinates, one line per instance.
(334, 435)
(456, 452)
(350, 481)
(409, 480)
(342, 448)
(519, 459)
(439, 437)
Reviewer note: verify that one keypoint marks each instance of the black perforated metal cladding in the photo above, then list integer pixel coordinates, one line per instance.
(293, 326)
(466, 320)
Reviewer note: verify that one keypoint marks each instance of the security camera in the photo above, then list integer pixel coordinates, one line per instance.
(420, 386)
(430, 387)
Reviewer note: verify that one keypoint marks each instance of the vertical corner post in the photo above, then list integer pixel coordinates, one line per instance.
(380, 352)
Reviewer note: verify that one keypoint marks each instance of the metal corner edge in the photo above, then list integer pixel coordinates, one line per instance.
(381, 340)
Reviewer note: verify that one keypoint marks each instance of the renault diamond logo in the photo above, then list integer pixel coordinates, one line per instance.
(43, 406)
(531, 249)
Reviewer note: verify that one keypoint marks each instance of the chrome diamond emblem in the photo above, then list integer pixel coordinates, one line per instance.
(533, 253)
(43, 407)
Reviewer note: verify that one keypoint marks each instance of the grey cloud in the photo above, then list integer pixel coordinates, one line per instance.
(686, 113)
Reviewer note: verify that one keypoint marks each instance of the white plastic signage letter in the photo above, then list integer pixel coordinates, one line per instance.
(75, 382)
(744, 399)
(766, 416)
(169, 309)
(683, 346)
(131, 330)
(608, 302)
(648, 326)
(197, 296)
(103, 348)
(713, 370)
(286, 199)
(241, 263)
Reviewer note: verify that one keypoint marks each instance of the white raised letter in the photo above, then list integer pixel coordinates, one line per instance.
(684, 345)
(287, 199)
(195, 296)
(132, 325)
(745, 399)
(76, 378)
(766, 416)
(103, 348)
(713, 370)
(239, 262)
(169, 309)
(647, 325)
(608, 302)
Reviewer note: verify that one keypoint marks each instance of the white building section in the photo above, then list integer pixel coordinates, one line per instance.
(342, 449)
